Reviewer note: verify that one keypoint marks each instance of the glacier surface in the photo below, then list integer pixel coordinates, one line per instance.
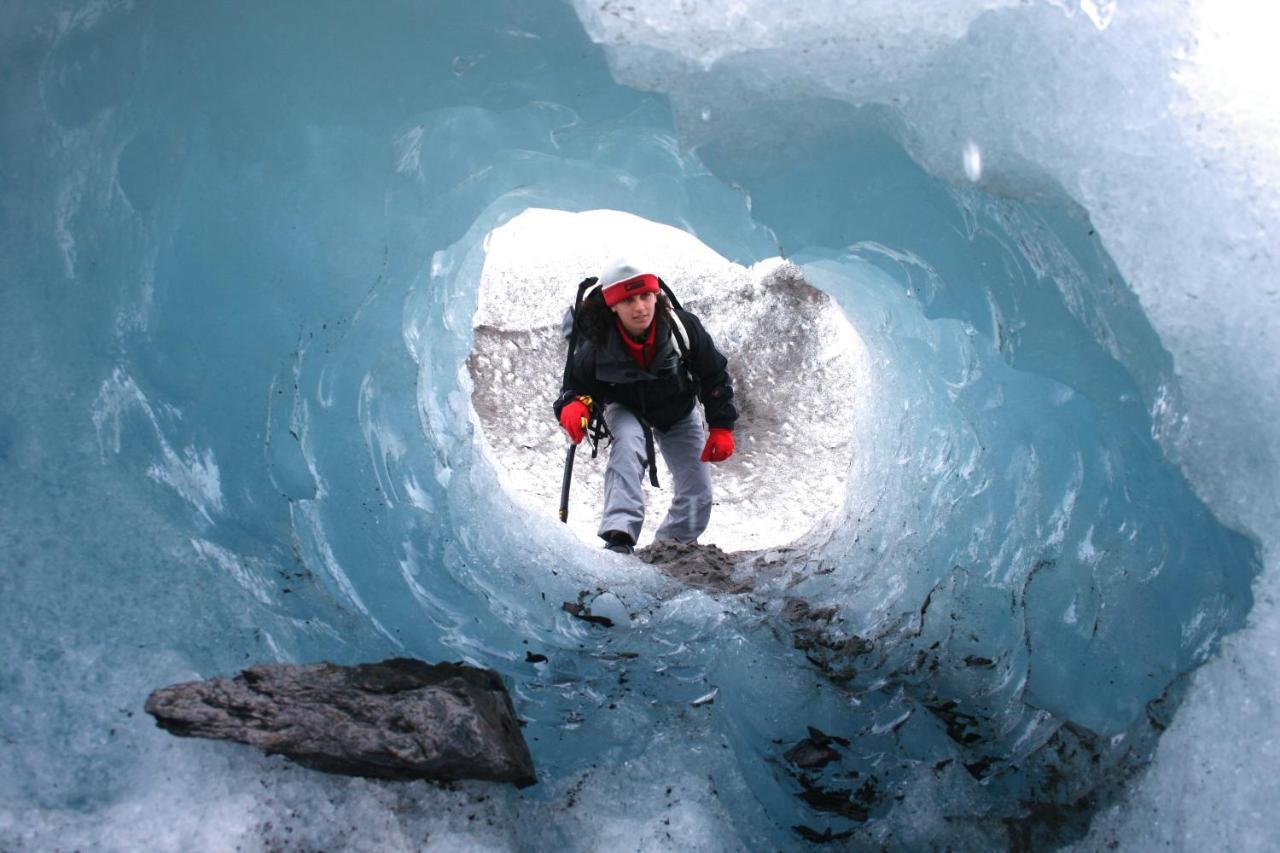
(245, 252)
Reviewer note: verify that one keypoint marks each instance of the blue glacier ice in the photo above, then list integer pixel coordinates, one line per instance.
(240, 249)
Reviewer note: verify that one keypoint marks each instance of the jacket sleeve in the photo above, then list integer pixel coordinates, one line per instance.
(708, 364)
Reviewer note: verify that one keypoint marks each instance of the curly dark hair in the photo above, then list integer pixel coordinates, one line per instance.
(595, 319)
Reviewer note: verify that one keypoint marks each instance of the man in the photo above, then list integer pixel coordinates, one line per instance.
(648, 365)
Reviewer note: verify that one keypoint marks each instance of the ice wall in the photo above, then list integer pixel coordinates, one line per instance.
(1153, 117)
(240, 249)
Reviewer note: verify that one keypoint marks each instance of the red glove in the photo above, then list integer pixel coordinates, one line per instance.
(574, 417)
(719, 445)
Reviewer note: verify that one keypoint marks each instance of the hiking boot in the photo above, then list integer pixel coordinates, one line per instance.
(618, 542)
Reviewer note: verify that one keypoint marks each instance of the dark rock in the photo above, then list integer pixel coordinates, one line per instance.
(978, 769)
(703, 566)
(869, 793)
(815, 751)
(400, 719)
(834, 800)
(964, 729)
(799, 610)
(817, 735)
(810, 834)
(534, 657)
(810, 755)
(806, 639)
(583, 612)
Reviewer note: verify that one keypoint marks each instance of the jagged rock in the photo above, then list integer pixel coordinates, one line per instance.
(834, 800)
(815, 751)
(703, 566)
(799, 610)
(399, 719)
(581, 610)
(810, 834)
(810, 755)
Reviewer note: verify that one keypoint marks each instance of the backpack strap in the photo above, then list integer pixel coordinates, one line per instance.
(596, 427)
(649, 454)
(681, 334)
(678, 331)
(677, 326)
(584, 289)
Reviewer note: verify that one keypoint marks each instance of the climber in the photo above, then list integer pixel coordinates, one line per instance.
(642, 365)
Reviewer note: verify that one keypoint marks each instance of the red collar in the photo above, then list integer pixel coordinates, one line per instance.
(642, 352)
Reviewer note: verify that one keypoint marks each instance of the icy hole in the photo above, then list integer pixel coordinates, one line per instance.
(801, 375)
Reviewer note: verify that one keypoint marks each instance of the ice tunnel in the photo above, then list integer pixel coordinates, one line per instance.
(785, 342)
(282, 287)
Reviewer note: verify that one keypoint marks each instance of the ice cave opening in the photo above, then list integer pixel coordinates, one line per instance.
(802, 376)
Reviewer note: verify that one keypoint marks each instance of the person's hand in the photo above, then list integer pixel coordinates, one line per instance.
(719, 445)
(574, 417)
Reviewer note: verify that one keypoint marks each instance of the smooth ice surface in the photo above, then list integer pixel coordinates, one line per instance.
(242, 249)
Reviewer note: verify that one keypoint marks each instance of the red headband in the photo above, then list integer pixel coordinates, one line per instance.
(628, 287)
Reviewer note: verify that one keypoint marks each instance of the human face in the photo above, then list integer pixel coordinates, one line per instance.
(636, 313)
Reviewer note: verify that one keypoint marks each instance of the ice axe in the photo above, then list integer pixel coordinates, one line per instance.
(564, 484)
(594, 429)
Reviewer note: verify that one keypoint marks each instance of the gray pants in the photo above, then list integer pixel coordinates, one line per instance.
(681, 447)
